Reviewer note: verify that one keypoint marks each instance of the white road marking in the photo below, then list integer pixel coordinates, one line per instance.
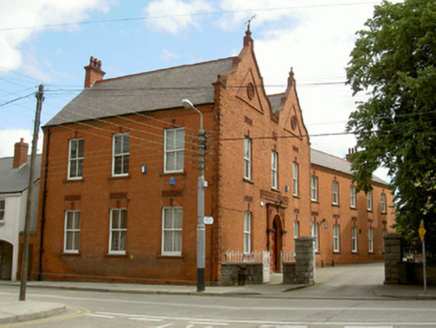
(100, 315)
(146, 319)
(209, 323)
(369, 326)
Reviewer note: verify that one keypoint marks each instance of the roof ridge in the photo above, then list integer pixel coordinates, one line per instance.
(337, 157)
(165, 69)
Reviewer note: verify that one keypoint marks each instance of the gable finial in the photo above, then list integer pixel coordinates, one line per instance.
(248, 24)
(291, 77)
(247, 38)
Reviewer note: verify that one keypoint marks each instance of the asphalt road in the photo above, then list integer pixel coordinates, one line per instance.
(97, 309)
(342, 298)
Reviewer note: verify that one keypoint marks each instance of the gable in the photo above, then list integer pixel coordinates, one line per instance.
(248, 91)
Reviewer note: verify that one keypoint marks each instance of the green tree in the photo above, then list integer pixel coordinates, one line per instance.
(394, 64)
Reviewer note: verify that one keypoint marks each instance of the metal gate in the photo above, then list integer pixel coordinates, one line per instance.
(266, 259)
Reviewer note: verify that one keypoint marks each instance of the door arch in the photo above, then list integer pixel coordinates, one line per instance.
(276, 244)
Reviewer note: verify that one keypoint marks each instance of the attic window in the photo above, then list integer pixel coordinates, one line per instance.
(250, 90)
(294, 122)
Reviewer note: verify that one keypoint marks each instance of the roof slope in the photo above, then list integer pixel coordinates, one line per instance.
(335, 163)
(16, 180)
(276, 101)
(162, 89)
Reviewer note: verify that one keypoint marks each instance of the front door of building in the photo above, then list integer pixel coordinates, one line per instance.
(5, 260)
(276, 245)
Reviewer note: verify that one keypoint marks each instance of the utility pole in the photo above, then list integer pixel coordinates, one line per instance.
(25, 250)
(201, 230)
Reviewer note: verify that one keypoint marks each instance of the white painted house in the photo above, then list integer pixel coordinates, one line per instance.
(14, 179)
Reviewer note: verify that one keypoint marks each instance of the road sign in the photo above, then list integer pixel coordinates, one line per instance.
(421, 231)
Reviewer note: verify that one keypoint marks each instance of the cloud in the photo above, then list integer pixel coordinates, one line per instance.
(21, 21)
(175, 15)
(168, 55)
(238, 12)
(9, 137)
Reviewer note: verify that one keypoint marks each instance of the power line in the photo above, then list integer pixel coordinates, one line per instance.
(16, 99)
(206, 13)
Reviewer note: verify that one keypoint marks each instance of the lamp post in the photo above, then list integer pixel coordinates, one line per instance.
(201, 236)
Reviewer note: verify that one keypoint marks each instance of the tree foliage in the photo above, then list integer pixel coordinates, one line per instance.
(394, 64)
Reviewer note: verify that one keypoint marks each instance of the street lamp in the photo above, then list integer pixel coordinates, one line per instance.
(201, 236)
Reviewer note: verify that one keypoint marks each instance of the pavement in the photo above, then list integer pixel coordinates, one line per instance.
(326, 287)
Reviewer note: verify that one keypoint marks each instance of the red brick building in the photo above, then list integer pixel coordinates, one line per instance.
(121, 177)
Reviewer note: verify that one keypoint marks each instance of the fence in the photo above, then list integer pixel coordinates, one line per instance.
(239, 257)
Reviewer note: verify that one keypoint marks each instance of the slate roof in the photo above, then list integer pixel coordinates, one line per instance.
(335, 163)
(16, 180)
(275, 101)
(156, 90)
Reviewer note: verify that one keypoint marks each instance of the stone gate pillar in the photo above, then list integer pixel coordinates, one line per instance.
(303, 270)
(393, 257)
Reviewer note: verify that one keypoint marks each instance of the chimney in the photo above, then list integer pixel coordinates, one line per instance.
(20, 154)
(351, 154)
(93, 72)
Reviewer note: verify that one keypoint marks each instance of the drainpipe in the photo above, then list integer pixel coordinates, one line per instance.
(44, 198)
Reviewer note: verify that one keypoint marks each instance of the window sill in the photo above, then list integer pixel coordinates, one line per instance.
(275, 190)
(335, 205)
(116, 254)
(74, 180)
(164, 174)
(170, 257)
(70, 254)
(248, 181)
(353, 208)
(316, 201)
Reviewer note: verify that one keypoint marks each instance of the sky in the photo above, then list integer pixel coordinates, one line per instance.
(49, 42)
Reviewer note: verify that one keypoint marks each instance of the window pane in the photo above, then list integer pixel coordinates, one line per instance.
(171, 160)
(118, 164)
(73, 149)
(117, 145)
(76, 224)
(178, 218)
(115, 240)
(81, 148)
(76, 240)
(115, 219)
(126, 143)
(126, 164)
(168, 241)
(79, 168)
(70, 217)
(180, 159)
(180, 139)
(123, 219)
(177, 241)
(69, 240)
(122, 245)
(169, 139)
